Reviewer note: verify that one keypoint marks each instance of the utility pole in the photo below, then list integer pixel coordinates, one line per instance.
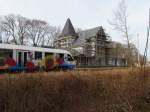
(147, 41)
(1, 38)
(138, 49)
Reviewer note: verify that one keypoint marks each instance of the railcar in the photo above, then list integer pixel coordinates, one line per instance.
(20, 57)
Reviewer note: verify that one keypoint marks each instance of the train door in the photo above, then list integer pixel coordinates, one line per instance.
(25, 57)
(19, 60)
(22, 58)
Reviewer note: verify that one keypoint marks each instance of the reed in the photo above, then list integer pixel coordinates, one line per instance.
(76, 91)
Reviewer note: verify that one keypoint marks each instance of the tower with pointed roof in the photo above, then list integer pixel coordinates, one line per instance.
(67, 36)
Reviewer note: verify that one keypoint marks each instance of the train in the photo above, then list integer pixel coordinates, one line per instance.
(28, 58)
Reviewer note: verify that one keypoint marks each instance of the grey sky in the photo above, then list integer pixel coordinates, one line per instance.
(83, 13)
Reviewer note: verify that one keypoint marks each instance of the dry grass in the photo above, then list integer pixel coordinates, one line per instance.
(76, 91)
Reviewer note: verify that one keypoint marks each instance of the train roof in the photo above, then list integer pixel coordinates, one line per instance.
(30, 48)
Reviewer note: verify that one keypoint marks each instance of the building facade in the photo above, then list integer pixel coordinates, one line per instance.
(90, 47)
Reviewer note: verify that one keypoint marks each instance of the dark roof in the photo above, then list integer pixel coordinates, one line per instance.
(86, 34)
(68, 29)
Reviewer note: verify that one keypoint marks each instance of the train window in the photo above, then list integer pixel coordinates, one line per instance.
(2, 61)
(30, 55)
(48, 54)
(59, 55)
(38, 55)
(60, 58)
(6, 53)
(69, 57)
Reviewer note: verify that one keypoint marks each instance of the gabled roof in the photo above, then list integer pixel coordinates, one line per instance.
(68, 29)
(86, 34)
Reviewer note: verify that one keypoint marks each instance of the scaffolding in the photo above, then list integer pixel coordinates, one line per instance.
(98, 53)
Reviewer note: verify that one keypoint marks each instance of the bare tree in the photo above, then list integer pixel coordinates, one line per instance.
(14, 29)
(41, 33)
(22, 30)
(8, 27)
(120, 23)
(54, 33)
(37, 30)
(78, 30)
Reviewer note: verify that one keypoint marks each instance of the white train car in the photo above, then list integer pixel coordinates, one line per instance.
(20, 57)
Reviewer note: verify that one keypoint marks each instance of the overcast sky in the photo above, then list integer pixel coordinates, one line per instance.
(83, 14)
